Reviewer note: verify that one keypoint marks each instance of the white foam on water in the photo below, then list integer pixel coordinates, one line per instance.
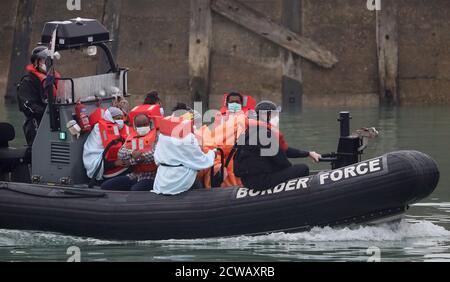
(440, 205)
(37, 238)
(406, 229)
(384, 232)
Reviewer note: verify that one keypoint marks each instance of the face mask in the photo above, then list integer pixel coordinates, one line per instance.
(234, 107)
(120, 123)
(43, 67)
(142, 131)
(275, 121)
(161, 110)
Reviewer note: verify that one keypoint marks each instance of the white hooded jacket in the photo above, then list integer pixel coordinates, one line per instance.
(179, 160)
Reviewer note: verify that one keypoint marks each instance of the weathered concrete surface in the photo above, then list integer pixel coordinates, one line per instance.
(346, 28)
(424, 52)
(244, 61)
(154, 42)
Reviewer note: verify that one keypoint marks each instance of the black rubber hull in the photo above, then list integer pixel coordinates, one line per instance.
(397, 180)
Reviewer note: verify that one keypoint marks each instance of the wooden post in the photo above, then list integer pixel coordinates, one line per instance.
(262, 25)
(292, 87)
(20, 56)
(387, 46)
(111, 20)
(200, 38)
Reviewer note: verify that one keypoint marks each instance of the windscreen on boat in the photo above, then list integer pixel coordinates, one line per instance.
(92, 87)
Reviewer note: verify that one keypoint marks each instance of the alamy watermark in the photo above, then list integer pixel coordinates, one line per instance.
(228, 128)
(373, 5)
(74, 5)
(74, 254)
(374, 253)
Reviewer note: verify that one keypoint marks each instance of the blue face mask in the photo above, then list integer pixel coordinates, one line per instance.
(234, 107)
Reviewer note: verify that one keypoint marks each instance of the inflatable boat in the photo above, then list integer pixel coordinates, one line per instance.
(45, 187)
(366, 192)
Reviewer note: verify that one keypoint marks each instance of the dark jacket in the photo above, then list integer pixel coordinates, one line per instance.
(248, 160)
(30, 95)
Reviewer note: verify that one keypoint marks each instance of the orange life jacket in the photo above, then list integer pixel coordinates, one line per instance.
(32, 70)
(142, 143)
(96, 116)
(223, 136)
(176, 127)
(109, 132)
(223, 115)
(150, 111)
(248, 104)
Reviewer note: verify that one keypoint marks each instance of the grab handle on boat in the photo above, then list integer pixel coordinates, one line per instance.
(216, 181)
(329, 158)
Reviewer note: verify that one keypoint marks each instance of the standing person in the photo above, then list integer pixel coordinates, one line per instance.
(258, 171)
(138, 153)
(103, 144)
(30, 92)
(179, 156)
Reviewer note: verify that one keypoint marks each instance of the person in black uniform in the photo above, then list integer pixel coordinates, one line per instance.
(30, 93)
(261, 172)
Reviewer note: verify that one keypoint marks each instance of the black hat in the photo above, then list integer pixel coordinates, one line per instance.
(267, 106)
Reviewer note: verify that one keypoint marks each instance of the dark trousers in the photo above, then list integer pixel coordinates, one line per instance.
(30, 129)
(267, 181)
(124, 183)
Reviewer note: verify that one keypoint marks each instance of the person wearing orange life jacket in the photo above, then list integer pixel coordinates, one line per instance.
(31, 98)
(103, 144)
(152, 98)
(234, 103)
(224, 135)
(138, 153)
(151, 108)
(261, 170)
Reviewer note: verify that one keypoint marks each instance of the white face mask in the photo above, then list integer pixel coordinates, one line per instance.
(142, 131)
(275, 121)
(120, 123)
(43, 67)
(161, 110)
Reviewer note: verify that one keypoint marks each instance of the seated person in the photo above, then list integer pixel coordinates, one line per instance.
(138, 153)
(261, 171)
(179, 156)
(235, 103)
(152, 98)
(104, 142)
(229, 123)
(151, 108)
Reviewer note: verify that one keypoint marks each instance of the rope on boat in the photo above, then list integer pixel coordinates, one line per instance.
(69, 194)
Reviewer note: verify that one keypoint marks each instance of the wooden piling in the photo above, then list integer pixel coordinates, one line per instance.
(292, 80)
(387, 46)
(262, 25)
(200, 39)
(20, 56)
(111, 20)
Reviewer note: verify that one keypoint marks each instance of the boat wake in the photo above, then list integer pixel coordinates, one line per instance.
(388, 232)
